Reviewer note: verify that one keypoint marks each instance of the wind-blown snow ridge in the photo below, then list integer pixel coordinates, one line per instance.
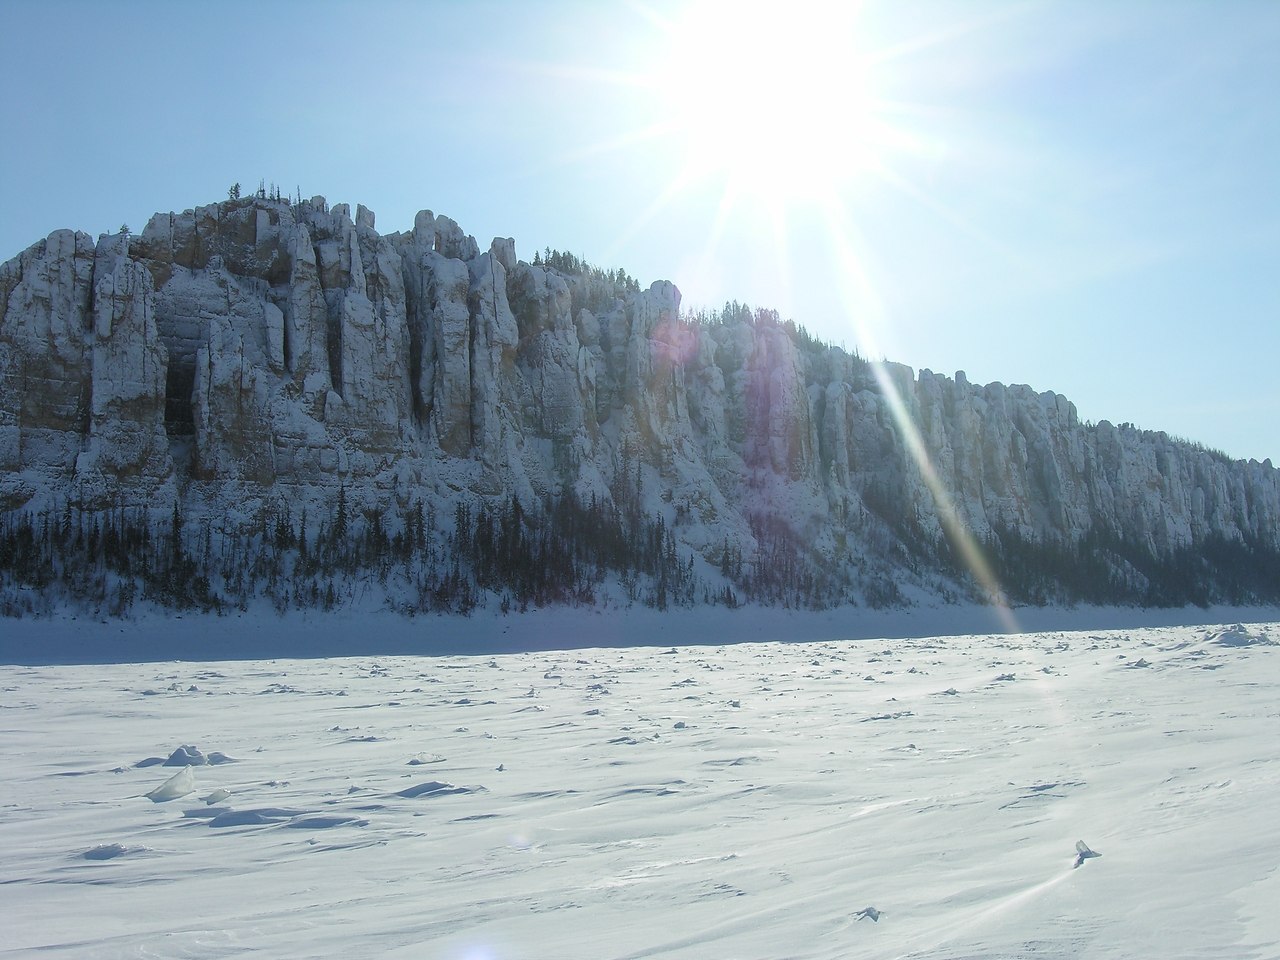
(193, 401)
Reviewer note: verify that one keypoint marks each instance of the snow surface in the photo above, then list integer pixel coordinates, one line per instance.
(755, 800)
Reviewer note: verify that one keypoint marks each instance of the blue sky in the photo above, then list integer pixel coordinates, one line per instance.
(1083, 196)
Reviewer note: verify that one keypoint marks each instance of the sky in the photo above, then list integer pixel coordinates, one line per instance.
(1082, 196)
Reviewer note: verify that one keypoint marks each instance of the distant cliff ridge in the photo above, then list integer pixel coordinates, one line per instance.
(263, 399)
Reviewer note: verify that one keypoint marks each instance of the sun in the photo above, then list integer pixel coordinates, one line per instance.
(777, 100)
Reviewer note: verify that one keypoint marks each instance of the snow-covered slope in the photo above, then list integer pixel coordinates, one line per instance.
(245, 360)
(920, 798)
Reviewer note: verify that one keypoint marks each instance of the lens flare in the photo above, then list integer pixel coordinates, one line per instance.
(785, 110)
(866, 313)
(958, 533)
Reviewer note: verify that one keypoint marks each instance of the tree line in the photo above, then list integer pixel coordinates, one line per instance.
(566, 550)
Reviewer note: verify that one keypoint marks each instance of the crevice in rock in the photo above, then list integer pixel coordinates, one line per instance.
(179, 410)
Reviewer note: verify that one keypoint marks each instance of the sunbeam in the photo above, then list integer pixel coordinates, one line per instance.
(957, 531)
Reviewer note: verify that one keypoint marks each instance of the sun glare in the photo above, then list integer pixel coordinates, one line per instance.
(774, 99)
(775, 106)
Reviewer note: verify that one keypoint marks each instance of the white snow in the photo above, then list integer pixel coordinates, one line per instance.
(753, 800)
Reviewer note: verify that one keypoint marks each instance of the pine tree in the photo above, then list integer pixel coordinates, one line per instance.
(340, 518)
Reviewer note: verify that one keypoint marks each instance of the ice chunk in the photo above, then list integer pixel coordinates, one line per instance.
(179, 785)
(1083, 852)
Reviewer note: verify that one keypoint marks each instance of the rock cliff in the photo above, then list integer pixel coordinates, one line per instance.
(254, 353)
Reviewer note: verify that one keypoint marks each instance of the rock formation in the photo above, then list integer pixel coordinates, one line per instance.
(253, 352)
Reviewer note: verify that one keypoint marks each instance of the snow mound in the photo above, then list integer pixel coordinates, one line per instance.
(187, 756)
(1238, 635)
(254, 817)
(325, 822)
(434, 788)
(423, 758)
(105, 851)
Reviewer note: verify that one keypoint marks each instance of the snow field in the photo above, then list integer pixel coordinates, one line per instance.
(738, 801)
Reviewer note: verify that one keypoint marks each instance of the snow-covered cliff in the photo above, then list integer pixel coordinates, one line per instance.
(254, 354)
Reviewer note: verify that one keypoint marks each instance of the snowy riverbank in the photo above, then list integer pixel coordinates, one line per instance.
(266, 635)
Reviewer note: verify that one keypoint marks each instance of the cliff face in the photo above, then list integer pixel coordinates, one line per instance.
(254, 352)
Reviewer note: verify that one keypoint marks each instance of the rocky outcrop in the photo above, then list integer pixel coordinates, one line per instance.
(46, 306)
(253, 351)
(126, 446)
